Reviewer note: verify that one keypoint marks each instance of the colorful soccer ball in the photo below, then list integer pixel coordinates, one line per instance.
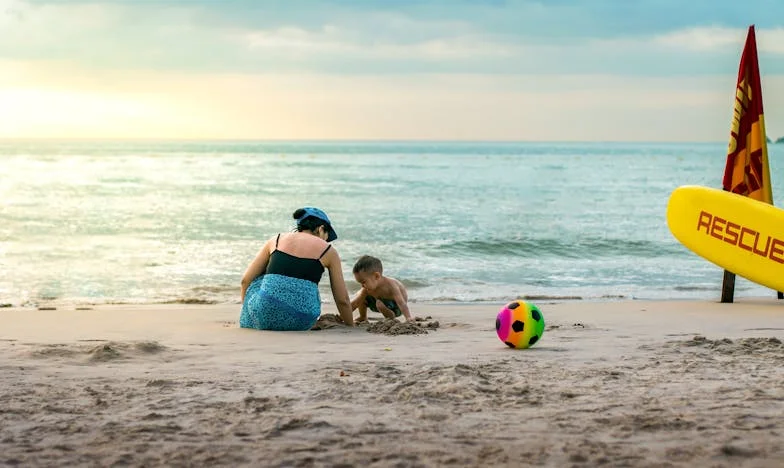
(519, 324)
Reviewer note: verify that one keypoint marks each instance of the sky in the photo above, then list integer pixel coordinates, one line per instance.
(548, 70)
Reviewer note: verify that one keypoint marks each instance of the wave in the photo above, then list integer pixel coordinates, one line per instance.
(408, 283)
(715, 287)
(545, 297)
(524, 297)
(557, 247)
(221, 288)
(190, 300)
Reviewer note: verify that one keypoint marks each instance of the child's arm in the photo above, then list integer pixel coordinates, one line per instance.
(359, 303)
(403, 307)
(401, 299)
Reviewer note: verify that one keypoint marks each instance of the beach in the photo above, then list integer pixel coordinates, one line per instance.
(612, 383)
(156, 158)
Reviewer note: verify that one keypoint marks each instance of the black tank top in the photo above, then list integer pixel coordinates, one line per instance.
(282, 263)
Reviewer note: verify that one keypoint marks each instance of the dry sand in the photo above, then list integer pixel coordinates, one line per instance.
(625, 383)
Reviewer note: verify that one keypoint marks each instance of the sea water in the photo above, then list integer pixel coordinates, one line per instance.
(179, 221)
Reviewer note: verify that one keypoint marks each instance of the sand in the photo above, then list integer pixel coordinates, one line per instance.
(626, 383)
(380, 325)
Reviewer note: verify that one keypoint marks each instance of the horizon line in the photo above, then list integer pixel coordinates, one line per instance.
(352, 140)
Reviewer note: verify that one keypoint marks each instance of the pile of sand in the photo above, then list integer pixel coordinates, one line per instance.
(419, 326)
(101, 352)
(769, 345)
(395, 327)
(327, 321)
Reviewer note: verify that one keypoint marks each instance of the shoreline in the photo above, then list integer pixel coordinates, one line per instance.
(67, 304)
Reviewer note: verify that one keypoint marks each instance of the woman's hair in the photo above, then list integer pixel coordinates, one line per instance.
(309, 223)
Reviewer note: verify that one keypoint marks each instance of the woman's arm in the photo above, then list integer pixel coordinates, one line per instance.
(338, 285)
(256, 267)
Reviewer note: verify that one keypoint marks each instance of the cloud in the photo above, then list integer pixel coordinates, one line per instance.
(354, 37)
(330, 40)
(701, 38)
(721, 39)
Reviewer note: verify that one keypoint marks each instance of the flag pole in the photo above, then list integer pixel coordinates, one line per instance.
(728, 287)
(747, 171)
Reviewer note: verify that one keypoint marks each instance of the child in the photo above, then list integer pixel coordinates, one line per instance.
(379, 293)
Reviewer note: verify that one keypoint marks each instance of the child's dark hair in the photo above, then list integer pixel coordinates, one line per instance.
(310, 223)
(368, 264)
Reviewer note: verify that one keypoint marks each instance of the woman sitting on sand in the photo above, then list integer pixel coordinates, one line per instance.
(280, 286)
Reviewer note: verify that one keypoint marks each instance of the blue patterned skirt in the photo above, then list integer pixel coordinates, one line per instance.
(283, 303)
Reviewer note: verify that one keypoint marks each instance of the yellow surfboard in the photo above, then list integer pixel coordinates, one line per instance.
(740, 234)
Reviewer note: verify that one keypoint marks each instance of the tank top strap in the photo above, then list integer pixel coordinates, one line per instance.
(325, 251)
(276, 241)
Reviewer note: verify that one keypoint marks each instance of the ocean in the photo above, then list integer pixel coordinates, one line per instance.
(178, 221)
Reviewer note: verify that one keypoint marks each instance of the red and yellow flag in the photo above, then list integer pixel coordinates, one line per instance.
(747, 172)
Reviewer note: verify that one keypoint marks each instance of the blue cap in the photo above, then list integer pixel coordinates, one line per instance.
(317, 213)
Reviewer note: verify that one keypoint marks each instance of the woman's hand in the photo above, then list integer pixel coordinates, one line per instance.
(339, 292)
